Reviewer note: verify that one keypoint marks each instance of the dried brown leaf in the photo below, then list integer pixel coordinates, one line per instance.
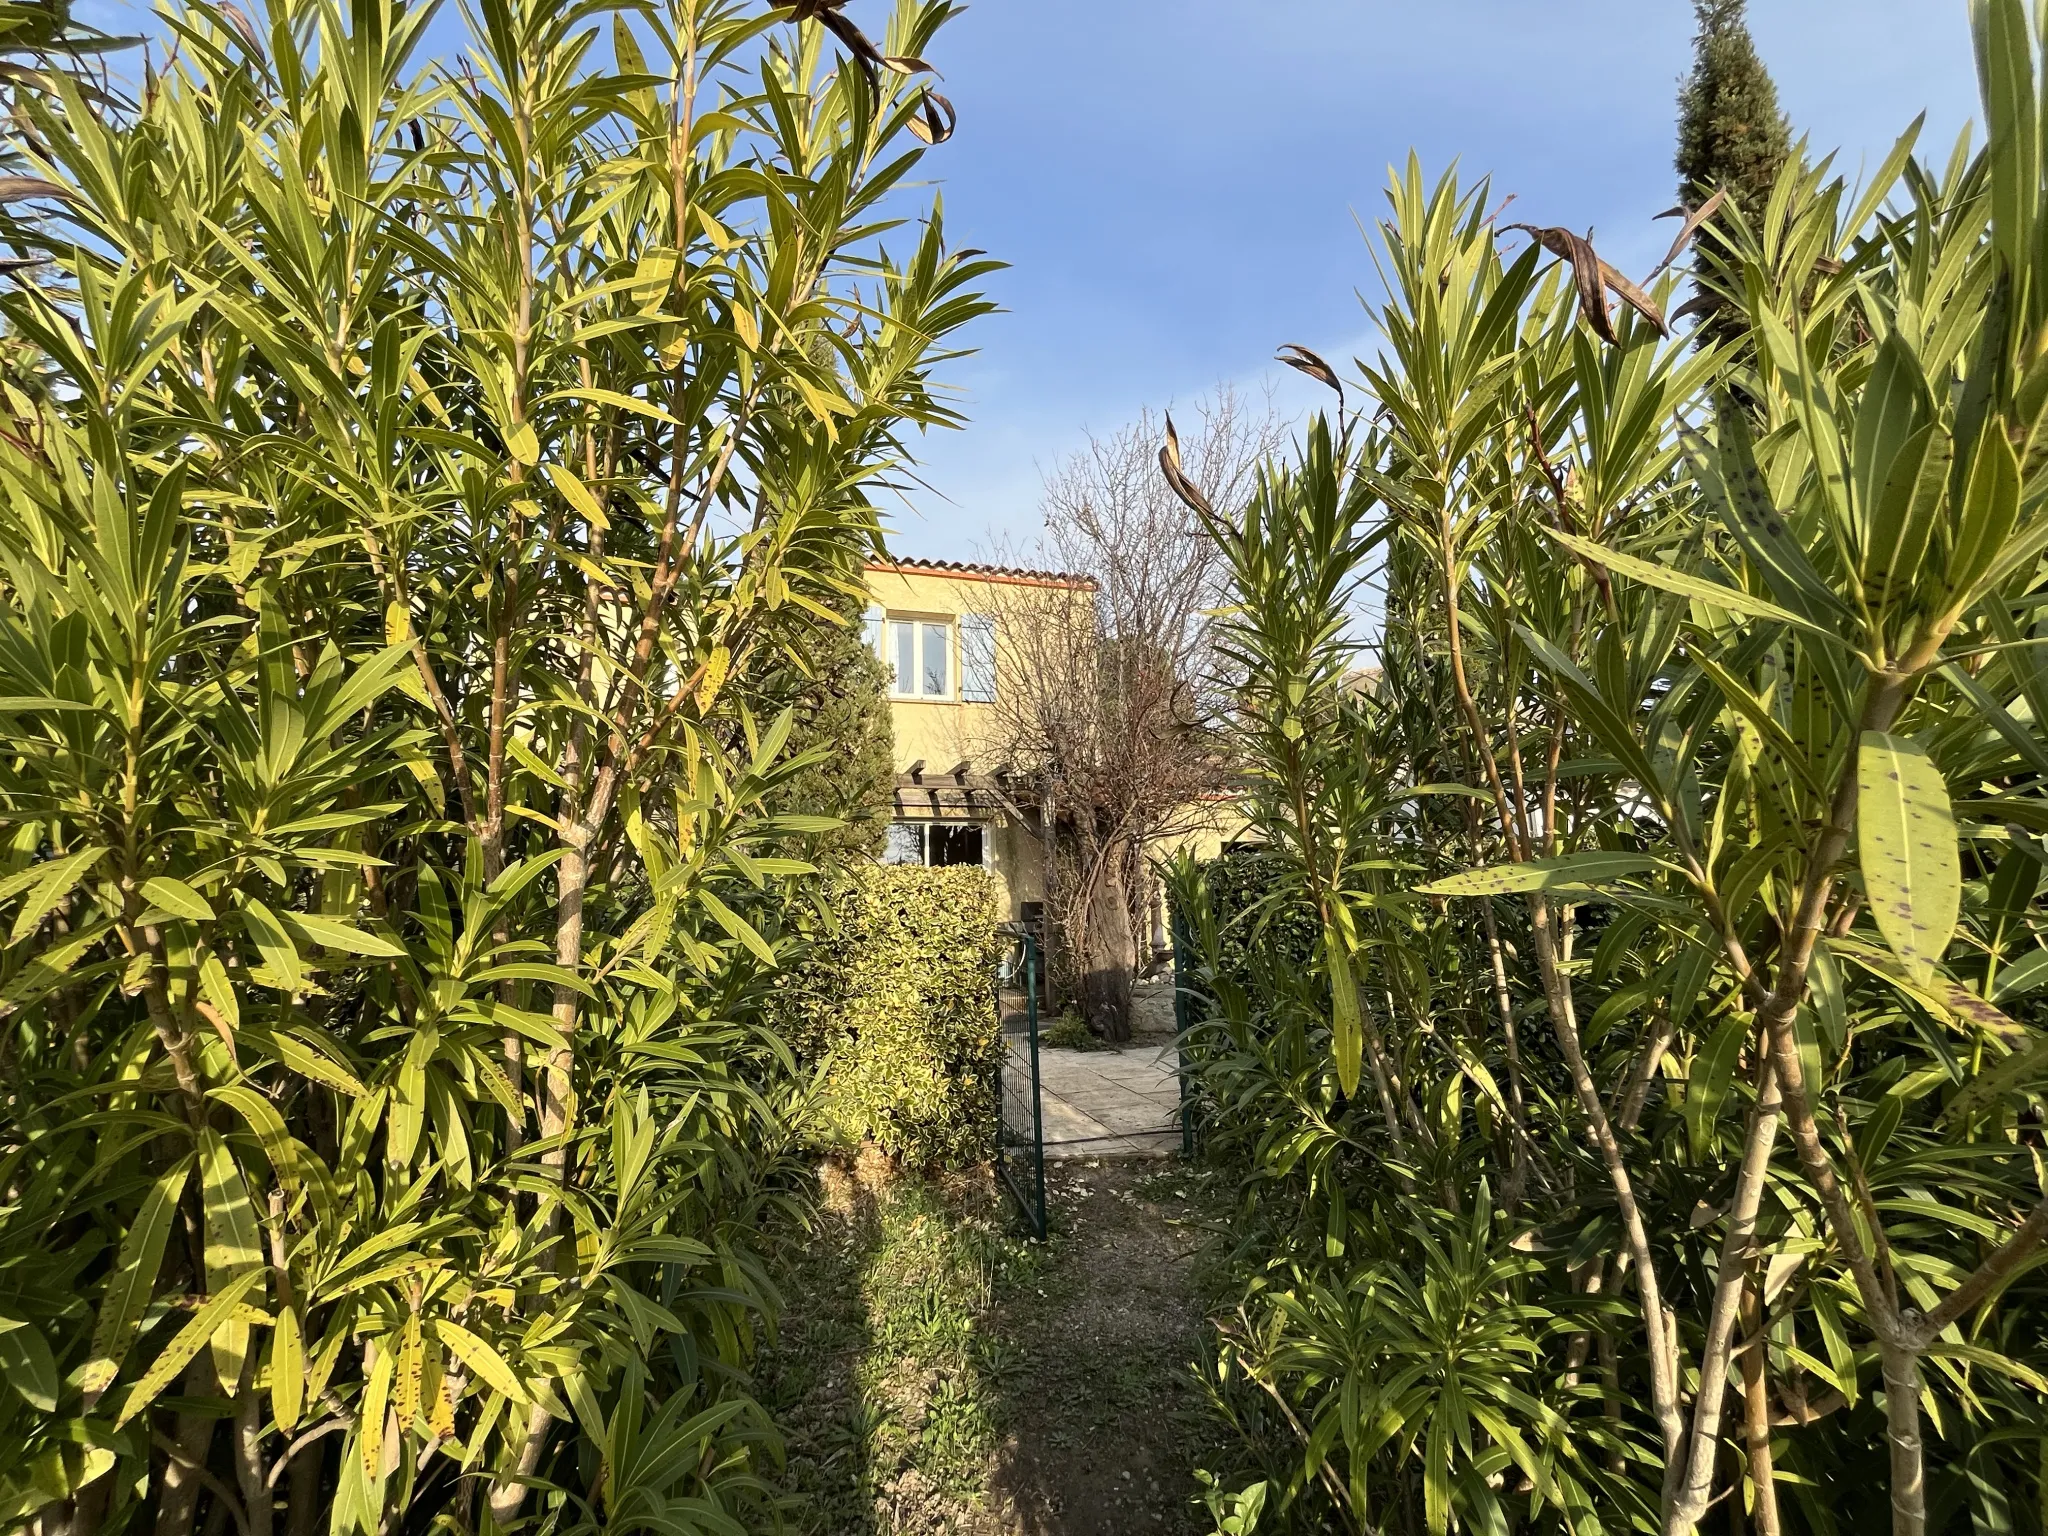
(1635, 298)
(1312, 365)
(1586, 272)
(16, 189)
(244, 27)
(856, 41)
(1693, 221)
(1178, 482)
(904, 64)
(935, 119)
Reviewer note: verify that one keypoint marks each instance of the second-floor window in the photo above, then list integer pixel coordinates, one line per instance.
(921, 655)
(923, 662)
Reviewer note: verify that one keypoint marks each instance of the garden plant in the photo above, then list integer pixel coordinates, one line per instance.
(1653, 1134)
(421, 488)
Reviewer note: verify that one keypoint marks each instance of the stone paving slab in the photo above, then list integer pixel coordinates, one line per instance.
(1098, 1103)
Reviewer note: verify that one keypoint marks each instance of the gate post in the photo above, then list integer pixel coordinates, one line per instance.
(1033, 1201)
(1180, 1037)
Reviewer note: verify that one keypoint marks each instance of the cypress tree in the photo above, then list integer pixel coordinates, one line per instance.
(1730, 132)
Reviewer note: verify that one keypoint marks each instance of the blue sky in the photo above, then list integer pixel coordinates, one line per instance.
(1178, 184)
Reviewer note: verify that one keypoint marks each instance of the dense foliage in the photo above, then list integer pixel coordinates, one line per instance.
(840, 693)
(1657, 1129)
(1732, 136)
(892, 1001)
(416, 487)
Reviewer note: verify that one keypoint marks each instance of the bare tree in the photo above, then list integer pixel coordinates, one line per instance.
(1109, 705)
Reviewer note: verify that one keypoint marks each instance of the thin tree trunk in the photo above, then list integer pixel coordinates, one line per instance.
(1504, 1003)
(192, 1434)
(302, 1509)
(1756, 1409)
(1564, 1024)
(250, 1471)
(1689, 1481)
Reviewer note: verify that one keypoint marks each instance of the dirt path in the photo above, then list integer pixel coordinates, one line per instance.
(938, 1374)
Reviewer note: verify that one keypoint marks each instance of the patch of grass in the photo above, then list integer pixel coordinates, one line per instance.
(938, 1374)
(886, 1381)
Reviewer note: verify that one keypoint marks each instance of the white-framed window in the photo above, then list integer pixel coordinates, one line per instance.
(918, 654)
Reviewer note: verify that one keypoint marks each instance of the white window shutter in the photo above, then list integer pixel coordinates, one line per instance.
(977, 658)
(871, 631)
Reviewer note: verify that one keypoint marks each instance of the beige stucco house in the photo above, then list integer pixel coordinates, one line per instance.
(936, 625)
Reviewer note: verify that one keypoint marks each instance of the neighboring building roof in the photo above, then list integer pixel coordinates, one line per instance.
(968, 571)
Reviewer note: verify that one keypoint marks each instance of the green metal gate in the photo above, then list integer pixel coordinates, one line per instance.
(1020, 1116)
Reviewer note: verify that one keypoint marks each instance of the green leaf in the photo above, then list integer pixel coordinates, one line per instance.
(27, 1364)
(134, 1278)
(208, 1320)
(275, 943)
(737, 926)
(1991, 507)
(306, 1061)
(1569, 869)
(177, 898)
(1666, 579)
(233, 1242)
(1713, 1068)
(1347, 1023)
(1912, 866)
(331, 933)
(59, 878)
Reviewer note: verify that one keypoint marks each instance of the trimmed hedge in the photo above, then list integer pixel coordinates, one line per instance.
(1288, 939)
(894, 1000)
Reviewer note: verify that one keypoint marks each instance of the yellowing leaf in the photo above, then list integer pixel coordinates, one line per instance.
(1912, 864)
(129, 1287)
(1588, 868)
(190, 1340)
(370, 1422)
(716, 666)
(578, 495)
(523, 443)
(405, 1401)
(176, 897)
(59, 877)
(287, 1370)
(484, 1362)
(232, 1242)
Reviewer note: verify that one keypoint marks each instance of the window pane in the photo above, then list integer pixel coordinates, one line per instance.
(904, 844)
(937, 643)
(954, 844)
(905, 636)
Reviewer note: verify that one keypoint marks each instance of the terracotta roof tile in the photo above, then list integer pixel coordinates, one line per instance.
(979, 572)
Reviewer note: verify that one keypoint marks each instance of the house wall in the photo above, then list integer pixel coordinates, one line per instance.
(941, 733)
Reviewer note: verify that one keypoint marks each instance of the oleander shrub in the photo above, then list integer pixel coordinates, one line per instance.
(1654, 1120)
(894, 1004)
(417, 483)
